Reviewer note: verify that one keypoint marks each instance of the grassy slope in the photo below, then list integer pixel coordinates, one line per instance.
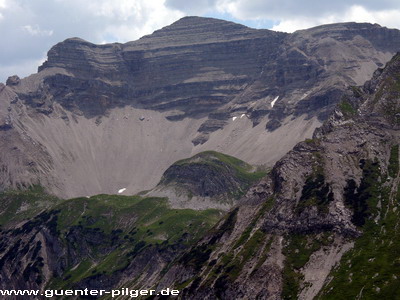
(133, 223)
(151, 218)
(125, 226)
(16, 206)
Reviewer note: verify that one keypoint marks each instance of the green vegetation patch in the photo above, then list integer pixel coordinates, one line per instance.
(316, 192)
(393, 168)
(243, 170)
(346, 108)
(248, 251)
(198, 255)
(364, 199)
(137, 219)
(229, 266)
(266, 206)
(297, 252)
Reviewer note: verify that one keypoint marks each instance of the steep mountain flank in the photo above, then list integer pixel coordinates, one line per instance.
(334, 194)
(102, 118)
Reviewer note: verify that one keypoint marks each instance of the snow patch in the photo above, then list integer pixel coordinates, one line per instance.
(242, 115)
(273, 101)
(121, 190)
(234, 118)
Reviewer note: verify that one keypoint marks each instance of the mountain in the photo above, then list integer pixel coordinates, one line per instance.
(318, 220)
(105, 118)
(322, 224)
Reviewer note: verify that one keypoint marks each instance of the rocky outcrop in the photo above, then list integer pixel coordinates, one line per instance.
(206, 180)
(13, 80)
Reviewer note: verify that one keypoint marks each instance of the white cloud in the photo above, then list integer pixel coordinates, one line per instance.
(2, 6)
(278, 9)
(148, 15)
(36, 31)
(289, 15)
(198, 7)
(389, 18)
(356, 13)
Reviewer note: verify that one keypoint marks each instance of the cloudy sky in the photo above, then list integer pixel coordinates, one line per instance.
(28, 28)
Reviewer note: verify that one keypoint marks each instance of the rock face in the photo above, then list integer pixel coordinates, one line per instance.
(199, 84)
(193, 67)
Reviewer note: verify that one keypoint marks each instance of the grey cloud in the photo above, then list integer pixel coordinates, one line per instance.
(306, 8)
(22, 18)
(276, 9)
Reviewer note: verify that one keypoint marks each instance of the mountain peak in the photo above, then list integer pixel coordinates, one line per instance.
(194, 29)
(200, 21)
